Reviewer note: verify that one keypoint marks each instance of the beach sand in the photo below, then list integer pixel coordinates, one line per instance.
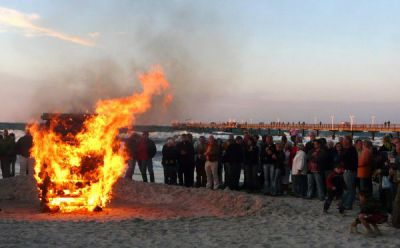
(155, 215)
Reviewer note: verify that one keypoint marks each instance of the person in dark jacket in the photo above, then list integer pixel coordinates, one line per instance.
(266, 153)
(23, 147)
(310, 144)
(7, 154)
(279, 167)
(251, 155)
(200, 160)
(350, 164)
(170, 162)
(146, 150)
(185, 162)
(226, 164)
(13, 154)
(335, 187)
(234, 157)
(131, 150)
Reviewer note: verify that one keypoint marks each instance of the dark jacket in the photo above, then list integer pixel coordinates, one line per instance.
(234, 153)
(335, 180)
(279, 162)
(309, 147)
(330, 157)
(24, 145)
(131, 146)
(169, 156)
(350, 159)
(251, 155)
(265, 157)
(185, 153)
(8, 147)
(337, 158)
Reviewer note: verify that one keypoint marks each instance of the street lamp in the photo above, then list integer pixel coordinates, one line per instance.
(352, 119)
(332, 120)
(373, 119)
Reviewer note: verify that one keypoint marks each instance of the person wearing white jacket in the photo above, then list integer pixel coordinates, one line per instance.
(299, 172)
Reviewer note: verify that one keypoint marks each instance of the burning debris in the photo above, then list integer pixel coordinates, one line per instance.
(78, 157)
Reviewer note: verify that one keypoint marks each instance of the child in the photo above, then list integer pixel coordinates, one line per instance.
(370, 214)
(335, 184)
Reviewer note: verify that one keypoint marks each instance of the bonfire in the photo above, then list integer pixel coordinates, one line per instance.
(76, 170)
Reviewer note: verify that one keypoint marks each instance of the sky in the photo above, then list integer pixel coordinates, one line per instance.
(228, 59)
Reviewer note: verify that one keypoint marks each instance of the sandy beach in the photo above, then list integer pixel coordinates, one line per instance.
(155, 215)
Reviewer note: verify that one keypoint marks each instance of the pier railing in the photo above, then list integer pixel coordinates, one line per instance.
(288, 126)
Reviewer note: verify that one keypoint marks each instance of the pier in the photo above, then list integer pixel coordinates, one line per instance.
(281, 127)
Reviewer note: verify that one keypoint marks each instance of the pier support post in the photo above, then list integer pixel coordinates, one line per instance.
(303, 132)
(333, 135)
(317, 133)
(373, 135)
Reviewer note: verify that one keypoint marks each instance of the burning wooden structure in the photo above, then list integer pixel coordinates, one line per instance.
(78, 157)
(68, 126)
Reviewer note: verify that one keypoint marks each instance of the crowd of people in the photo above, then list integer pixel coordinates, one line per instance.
(10, 148)
(318, 169)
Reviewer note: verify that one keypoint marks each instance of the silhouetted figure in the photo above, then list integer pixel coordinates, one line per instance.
(200, 160)
(23, 147)
(13, 155)
(131, 149)
(170, 162)
(7, 154)
(234, 159)
(251, 155)
(186, 162)
(146, 150)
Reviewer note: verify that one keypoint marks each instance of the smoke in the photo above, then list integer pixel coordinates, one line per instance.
(191, 41)
(77, 90)
(197, 48)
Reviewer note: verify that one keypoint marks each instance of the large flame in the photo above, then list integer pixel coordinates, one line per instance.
(77, 171)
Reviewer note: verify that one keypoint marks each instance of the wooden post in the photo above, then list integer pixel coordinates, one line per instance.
(373, 135)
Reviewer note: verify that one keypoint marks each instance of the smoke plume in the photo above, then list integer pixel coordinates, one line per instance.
(191, 42)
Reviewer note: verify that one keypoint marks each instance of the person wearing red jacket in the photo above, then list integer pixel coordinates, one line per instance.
(335, 187)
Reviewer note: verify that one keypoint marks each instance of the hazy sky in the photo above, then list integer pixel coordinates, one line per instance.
(245, 60)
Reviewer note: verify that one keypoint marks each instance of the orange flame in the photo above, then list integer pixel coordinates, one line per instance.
(167, 100)
(77, 172)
